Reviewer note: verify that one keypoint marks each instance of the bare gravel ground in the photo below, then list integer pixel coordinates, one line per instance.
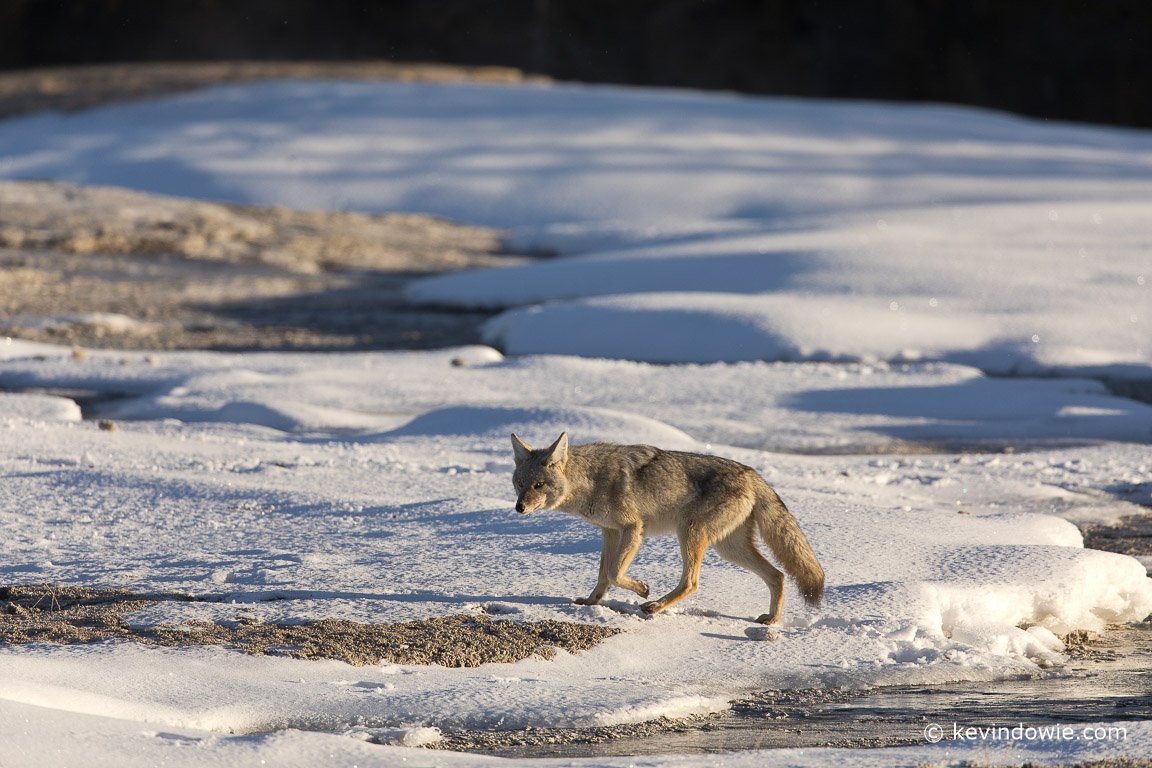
(112, 268)
(74, 88)
(72, 615)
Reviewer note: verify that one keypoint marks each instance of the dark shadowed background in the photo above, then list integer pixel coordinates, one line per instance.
(1088, 60)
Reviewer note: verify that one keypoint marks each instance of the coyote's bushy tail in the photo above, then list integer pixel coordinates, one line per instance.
(788, 543)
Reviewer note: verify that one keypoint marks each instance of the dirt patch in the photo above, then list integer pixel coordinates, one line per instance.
(77, 220)
(1132, 535)
(84, 87)
(553, 742)
(111, 268)
(76, 615)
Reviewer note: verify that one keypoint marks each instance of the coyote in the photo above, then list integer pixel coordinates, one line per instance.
(633, 490)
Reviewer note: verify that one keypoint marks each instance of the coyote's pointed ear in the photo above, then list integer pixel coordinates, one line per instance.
(558, 451)
(520, 448)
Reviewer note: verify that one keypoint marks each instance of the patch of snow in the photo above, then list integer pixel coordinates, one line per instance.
(35, 407)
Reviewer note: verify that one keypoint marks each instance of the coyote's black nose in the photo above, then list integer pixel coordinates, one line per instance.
(520, 506)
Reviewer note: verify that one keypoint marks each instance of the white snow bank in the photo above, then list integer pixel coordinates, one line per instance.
(18, 348)
(339, 518)
(959, 285)
(755, 228)
(36, 407)
(496, 423)
(707, 327)
(553, 154)
(771, 406)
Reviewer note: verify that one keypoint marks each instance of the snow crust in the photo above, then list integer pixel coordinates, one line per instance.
(834, 281)
(753, 228)
(306, 486)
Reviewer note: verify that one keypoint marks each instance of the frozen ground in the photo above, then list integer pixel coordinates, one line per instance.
(912, 245)
(120, 269)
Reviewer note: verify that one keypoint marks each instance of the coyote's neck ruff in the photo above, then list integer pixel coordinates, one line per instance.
(633, 490)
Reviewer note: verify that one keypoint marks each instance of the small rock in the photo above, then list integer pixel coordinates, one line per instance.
(762, 633)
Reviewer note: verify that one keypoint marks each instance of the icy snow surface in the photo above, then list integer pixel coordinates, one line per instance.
(346, 486)
(913, 246)
(697, 227)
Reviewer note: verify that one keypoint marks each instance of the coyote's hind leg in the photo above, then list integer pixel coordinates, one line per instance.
(739, 547)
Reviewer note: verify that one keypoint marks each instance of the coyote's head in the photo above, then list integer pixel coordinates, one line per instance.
(539, 476)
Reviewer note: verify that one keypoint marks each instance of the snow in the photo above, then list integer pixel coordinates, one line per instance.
(248, 477)
(760, 228)
(38, 408)
(834, 283)
(1009, 288)
(118, 742)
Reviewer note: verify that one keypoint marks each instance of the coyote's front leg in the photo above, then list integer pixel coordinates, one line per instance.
(617, 550)
(693, 543)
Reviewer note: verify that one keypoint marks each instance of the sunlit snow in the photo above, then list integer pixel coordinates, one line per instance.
(834, 281)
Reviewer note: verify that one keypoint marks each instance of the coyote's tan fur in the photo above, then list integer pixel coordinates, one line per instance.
(630, 491)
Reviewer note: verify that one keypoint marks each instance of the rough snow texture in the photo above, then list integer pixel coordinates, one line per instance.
(344, 486)
(753, 228)
(709, 228)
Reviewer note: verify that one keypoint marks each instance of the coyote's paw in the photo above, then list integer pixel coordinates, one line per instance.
(652, 607)
(767, 618)
(640, 588)
(586, 600)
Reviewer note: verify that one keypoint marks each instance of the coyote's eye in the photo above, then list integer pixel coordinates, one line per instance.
(538, 486)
